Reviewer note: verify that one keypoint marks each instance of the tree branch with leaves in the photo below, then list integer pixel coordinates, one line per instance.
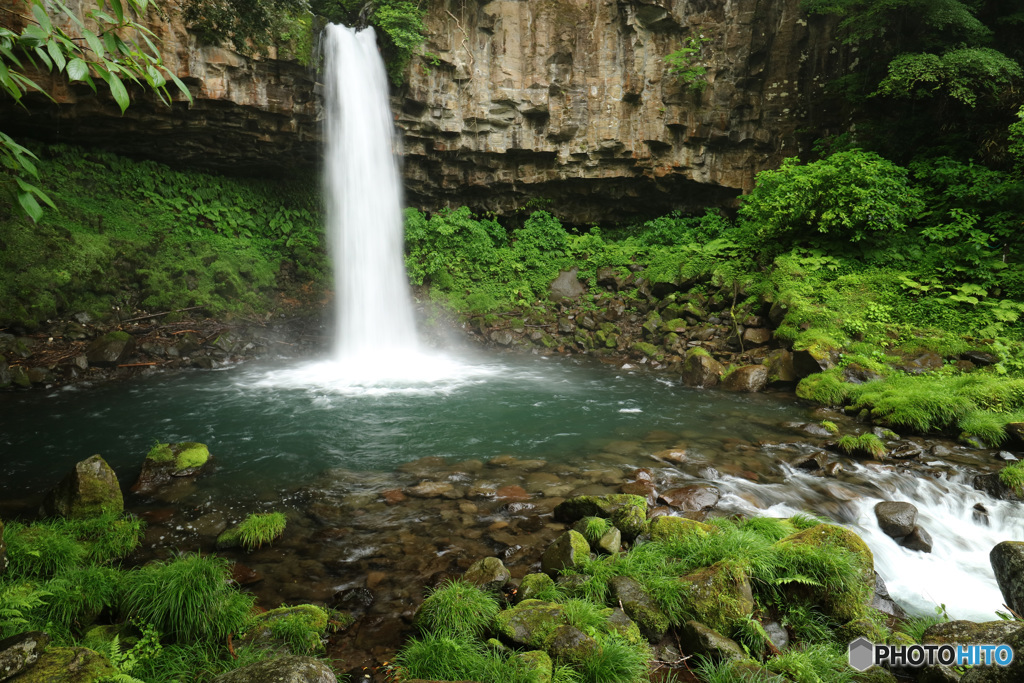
(108, 45)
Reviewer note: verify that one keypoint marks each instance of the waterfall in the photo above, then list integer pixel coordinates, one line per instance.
(373, 306)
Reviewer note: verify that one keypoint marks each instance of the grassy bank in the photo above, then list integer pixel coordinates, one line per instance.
(129, 236)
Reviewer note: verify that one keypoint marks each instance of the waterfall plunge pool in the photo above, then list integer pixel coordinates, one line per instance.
(504, 438)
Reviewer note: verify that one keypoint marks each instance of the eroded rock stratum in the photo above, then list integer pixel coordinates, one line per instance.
(564, 100)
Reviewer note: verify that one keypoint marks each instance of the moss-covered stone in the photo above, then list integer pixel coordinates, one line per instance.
(89, 490)
(489, 573)
(531, 623)
(646, 349)
(229, 538)
(578, 507)
(532, 585)
(538, 663)
(700, 369)
(282, 625)
(631, 520)
(697, 639)
(718, 595)
(847, 605)
(640, 607)
(610, 542)
(860, 628)
(67, 665)
(619, 622)
(669, 528)
(570, 644)
(568, 551)
(167, 460)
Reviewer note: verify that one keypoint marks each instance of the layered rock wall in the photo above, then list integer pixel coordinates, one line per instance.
(567, 101)
(570, 100)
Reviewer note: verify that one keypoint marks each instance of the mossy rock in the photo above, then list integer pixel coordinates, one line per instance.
(631, 520)
(620, 623)
(489, 573)
(669, 528)
(166, 461)
(569, 644)
(578, 507)
(697, 639)
(538, 663)
(111, 349)
(587, 526)
(568, 551)
(229, 538)
(266, 628)
(89, 490)
(646, 349)
(532, 585)
(860, 628)
(531, 623)
(67, 665)
(700, 369)
(844, 606)
(718, 595)
(640, 607)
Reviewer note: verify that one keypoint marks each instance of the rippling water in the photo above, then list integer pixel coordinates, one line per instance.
(324, 439)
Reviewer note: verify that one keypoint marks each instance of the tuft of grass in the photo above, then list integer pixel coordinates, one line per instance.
(76, 598)
(866, 444)
(830, 427)
(457, 609)
(826, 388)
(615, 661)
(440, 657)
(54, 547)
(593, 528)
(814, 663)
(728, 671)
(586, 616)
(751, 636)
(189, 598)
(1013, 476)
(260, 528)
(989, 427)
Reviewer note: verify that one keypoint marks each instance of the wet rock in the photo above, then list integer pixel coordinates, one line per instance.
(489, 573)
(631, 520)
(89, 490)
(243, 575)
(691, 498)
(641, 488)
(994, 486)
(640, 607)
(780, 367)
(883, 602)
(503, 337)
(807, 362)
(979, 514)
(393, 496)
(756, 336)
(700, 369)
(430, 489)
(674, 456)
(21, 651)
(567, 286)
(354, 599)
(290, 669)
(111, 349)
(1006, 456)
(811, 462)
(971, 633)
(896, 519)
(167, 461)
(697, 639)
(511, 493)
(918, 539)
(926, 362)
(906, 451)
(611, 541)
(1007, 559)
(749, 378)
(569, 550)
(611, 278)
(855, 373)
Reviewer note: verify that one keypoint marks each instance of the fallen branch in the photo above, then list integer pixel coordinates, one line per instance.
(157, 315)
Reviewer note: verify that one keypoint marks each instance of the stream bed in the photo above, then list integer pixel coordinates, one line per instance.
(390, 485)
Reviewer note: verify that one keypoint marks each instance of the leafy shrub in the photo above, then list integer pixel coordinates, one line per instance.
(846, 198)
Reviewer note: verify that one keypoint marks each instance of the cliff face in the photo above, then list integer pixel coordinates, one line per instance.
(563, 100)
(247, 116)
(570, 100)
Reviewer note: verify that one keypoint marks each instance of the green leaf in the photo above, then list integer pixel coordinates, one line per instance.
(40, 14)
(94, 42)
(30, 206)
(78, 70)
(57, 55)
(118, 10)
(118, 90)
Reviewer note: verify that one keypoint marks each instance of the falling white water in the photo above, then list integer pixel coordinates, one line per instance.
(957, 572)
(364, 205)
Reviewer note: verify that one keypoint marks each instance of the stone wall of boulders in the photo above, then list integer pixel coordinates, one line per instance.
(707, 335)
(80, 350)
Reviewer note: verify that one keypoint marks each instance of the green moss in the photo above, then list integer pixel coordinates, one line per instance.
(697, 351)
(531, 623)
(117, 335)
(631, 520)
(867, 444)
(826, 388)
(56, 663)
(649, 350)
(185, 455)
(718, 596)
(301, 627)
(538, 664)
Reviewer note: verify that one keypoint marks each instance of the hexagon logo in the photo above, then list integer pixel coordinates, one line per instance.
(862, 654)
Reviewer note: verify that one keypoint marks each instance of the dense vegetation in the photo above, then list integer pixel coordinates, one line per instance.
(164, 621)
(127, 236)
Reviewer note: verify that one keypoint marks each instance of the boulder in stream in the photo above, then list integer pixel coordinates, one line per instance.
(1007, 560)
(896, 518)
(700, 369)
(89, 490)
(166, 461)
(749, 379)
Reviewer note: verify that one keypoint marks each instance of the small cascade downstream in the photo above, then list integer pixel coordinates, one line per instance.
(956, 573)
